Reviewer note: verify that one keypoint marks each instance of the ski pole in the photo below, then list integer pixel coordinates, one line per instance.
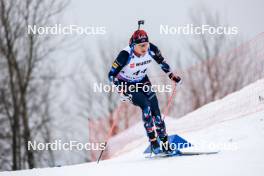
(101, 153)
(108, 136)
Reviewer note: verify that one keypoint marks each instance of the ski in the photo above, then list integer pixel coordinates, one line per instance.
(198, 153)
(181, 153)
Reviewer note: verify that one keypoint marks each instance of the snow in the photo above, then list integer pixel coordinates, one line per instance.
(234, 125)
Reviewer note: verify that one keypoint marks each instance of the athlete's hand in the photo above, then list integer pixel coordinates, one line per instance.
(125, 97)
(113, 80)
(175, 78)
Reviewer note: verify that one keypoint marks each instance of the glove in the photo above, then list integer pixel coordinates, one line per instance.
(125, 97)
(174, 78)
(113, 80)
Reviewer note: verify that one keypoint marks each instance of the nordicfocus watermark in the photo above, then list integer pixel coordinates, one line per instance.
(58, 29)
(58, 145)
(126, 87)
(223, 146)
(190, 29)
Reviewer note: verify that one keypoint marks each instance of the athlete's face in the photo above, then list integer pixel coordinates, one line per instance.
(141, 48)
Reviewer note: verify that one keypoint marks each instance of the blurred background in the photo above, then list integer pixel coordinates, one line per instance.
(46, 81)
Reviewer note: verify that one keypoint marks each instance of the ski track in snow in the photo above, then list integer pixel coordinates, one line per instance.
(235, 121)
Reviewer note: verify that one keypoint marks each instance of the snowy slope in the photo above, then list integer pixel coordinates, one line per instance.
(235, 125)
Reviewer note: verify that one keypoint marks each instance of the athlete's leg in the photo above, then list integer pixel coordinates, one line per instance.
(155, 111)
(139, 99)
(159, 122)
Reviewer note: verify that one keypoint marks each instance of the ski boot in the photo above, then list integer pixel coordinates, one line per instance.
(155, 147)
(165, 145)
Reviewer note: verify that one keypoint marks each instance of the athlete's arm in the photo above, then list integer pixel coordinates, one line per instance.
(118, 65)
(156, 54)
